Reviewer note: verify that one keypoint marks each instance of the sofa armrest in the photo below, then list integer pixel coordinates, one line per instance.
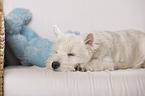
(2, 46)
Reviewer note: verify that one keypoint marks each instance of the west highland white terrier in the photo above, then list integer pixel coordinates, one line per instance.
(97, 51)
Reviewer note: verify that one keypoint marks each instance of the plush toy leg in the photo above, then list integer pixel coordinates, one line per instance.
(28, 33)
(13, 24)
(23, 14)
(35, 56)
(18, 43)
(25, 63)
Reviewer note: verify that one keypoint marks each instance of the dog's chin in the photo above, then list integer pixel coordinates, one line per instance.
(65, 69)
(56, 70)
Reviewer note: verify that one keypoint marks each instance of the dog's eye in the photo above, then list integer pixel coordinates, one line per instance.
(71, 54)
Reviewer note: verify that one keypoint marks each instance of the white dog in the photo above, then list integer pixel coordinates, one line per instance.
(97, 51)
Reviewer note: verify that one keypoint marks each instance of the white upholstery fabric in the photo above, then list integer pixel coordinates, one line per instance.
(35, 81)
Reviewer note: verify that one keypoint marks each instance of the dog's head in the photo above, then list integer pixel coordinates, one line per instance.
(70, 50)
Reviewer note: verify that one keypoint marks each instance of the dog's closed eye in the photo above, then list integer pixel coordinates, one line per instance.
(71, 54)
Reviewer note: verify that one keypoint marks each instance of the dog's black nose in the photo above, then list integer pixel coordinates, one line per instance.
(55, 64)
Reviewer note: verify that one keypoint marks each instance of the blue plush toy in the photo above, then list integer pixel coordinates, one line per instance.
(25, 43)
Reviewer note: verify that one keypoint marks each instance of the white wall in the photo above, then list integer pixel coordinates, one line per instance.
(82, 15)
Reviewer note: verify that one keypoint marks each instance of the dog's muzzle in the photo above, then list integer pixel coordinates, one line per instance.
(55, 65)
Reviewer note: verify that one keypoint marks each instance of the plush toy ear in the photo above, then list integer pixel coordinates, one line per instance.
(89, 39)
(57, 32)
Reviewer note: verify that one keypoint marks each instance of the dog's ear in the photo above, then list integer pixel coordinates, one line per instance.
(89, 39)
(57, 31)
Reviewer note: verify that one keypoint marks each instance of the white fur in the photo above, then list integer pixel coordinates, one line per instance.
(108, 51)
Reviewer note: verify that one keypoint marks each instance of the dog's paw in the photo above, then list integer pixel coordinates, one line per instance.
(88, 69)
(80, 68)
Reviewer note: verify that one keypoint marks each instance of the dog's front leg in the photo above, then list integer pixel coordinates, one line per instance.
(100, 64)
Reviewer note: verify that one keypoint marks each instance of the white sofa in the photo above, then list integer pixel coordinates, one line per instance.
(35, 81)
(82, 16)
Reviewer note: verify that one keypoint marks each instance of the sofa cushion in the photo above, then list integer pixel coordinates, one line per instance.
(35, 81)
